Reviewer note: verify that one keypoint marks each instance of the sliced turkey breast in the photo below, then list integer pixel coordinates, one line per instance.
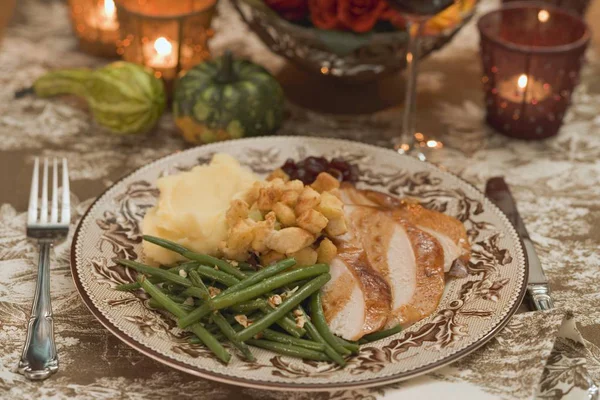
(448, 231)
(356, 301)
(344, 302)
(410, 260)
(418, 261)
(390, 265)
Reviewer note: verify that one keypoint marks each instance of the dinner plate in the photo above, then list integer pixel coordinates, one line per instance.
(473, 309)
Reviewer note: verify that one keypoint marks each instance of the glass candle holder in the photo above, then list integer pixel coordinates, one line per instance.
(577, 6)
(167, 36)
(96, 26)
(531, 55)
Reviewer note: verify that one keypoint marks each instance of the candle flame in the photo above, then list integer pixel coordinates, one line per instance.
(163, 47)
(109, 8)
(522, 82)
(543, 15)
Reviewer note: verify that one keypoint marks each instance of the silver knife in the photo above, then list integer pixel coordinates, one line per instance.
(497, 190)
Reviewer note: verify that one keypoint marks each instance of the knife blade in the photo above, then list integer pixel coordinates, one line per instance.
(497, 190)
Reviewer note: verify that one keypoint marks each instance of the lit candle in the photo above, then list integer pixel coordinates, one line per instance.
(161, 55)
(522, 87)
(104, 17)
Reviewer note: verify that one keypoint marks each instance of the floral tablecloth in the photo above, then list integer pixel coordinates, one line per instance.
(556, 183)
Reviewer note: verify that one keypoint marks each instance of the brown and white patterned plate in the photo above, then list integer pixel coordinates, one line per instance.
(472, 311)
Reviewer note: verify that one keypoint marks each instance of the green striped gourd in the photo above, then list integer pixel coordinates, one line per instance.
(227, 99)
(125, 98)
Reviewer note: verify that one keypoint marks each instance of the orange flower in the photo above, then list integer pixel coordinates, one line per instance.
(360, 15)
(444, 20)
(324, 13)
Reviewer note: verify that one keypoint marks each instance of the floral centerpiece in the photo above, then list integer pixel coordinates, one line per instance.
(352, 40)
(362, 16)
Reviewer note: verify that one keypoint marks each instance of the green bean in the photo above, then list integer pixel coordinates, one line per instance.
(233, 297)
(252, 305)
(197, 282)
(267, 285)
(316, 336)
(186, 266)
(207, 338)
(194, 340)
(215, 262)
(155, 304)
(196, 315)
(172, 288)
(167, 244)
(246, 267)
(219, 320)
(193, 292)
(352, 346)
(203, 258)
(219, 276)
(212, 328)
(283, 338)
(287, 305)
(229, 333)
(177, 298)
(289, 350)
(286, 323)
(261, 275)
(160, 273)
(371, 337)
(267, 272)
(318, 319)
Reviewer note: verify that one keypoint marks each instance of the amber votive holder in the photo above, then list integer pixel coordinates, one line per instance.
(168, 36)
(532, 54)
(96, 26)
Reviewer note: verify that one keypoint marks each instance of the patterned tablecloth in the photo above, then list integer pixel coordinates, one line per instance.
(556, 182)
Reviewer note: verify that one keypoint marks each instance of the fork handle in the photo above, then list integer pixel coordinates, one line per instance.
(39, 359)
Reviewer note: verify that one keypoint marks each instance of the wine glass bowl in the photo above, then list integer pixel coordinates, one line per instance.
(416, 13)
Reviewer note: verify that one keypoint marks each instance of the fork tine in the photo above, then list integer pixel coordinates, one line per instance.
(65, 213)
(33, 194)
(54, 209)
(44, 205)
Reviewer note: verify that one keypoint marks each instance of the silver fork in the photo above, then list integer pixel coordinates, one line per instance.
(39, 359)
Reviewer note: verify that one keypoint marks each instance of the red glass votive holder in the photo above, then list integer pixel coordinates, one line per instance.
(531, 55)
(577, 6)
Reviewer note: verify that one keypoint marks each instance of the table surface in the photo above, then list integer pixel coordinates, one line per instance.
(556, 183)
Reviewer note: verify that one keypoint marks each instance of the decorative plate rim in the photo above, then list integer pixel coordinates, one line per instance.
(271, 385)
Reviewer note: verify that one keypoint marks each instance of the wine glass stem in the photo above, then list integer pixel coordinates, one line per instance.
(415, 28)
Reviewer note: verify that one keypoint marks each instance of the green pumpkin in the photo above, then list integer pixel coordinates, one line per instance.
(227, 99)
(123, 97)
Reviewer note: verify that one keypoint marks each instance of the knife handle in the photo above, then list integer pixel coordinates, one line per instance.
(539, 297)
(497, 190)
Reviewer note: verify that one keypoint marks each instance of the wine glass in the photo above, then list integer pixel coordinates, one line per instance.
(416, 13)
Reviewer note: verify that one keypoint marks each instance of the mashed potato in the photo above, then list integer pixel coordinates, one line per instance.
(192, 205)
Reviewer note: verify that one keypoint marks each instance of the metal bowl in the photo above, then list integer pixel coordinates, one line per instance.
(342, 55)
